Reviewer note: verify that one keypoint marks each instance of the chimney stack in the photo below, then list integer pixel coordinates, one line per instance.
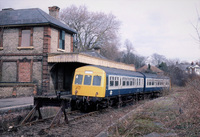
(97, 49)
(54, 11)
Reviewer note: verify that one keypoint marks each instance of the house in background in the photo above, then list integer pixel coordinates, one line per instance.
(150, 69)
(193, 69)
(27, 36)
(189, 68)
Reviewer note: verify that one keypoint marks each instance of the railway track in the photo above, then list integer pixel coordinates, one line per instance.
(80, 124)
(72, 116)
(57, 120)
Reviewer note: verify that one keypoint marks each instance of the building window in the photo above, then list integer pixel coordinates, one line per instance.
(62, 40)
(26, 37)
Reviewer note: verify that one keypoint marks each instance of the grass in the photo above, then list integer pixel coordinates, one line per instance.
(139, 126)
(163, 116)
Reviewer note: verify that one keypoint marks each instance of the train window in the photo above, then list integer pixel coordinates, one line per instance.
(127, 83)
(152, 82)
(97, 80)
(131, 83)
(111, 81)
(112, 78)
(78, 80)
(124, 83)
(87, 80)
(116, 81)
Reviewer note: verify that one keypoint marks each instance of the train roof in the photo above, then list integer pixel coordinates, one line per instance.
(115, 71)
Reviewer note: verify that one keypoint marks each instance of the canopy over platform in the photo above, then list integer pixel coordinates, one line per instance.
(87, 59)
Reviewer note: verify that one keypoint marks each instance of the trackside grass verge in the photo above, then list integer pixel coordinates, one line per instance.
(173, 115)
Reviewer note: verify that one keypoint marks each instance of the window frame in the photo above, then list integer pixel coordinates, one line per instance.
(61, 40)
(30, 46)
(94, 78)
(81, 79)
(85, 84)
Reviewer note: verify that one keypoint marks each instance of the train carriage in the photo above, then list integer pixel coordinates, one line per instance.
(154, 83)
(99, 81)
(94, 85)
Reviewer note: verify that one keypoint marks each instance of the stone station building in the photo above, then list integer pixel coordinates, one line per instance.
(37, 53)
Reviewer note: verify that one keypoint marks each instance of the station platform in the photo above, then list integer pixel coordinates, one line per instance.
(15, 104)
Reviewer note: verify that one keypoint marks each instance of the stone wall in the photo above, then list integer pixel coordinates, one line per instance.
(21, 65)
(17, 89)
(29, 64)
(9, 71)
(54, 41)
(11, 41)
(67, 42)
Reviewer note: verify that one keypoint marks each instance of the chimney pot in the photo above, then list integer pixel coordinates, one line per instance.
(97, 49)
(54, 11)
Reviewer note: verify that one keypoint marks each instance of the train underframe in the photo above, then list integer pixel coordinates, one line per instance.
(86, 103)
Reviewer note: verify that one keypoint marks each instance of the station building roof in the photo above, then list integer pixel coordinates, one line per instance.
(30, 17)
(88, 58)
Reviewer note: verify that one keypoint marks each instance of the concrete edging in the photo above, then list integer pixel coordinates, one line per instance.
(7, 110)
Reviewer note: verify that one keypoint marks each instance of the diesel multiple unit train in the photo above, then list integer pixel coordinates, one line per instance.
(97, 86)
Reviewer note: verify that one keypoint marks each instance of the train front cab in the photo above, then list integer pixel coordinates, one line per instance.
(88, 85)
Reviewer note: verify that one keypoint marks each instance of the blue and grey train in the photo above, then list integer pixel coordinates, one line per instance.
(103, 86)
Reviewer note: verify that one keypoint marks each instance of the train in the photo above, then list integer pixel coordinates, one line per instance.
(96, 87)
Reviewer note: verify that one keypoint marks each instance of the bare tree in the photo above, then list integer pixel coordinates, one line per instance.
(129, 57)
(111, 52)
(93, 28)
(157, 59)
(196, 27)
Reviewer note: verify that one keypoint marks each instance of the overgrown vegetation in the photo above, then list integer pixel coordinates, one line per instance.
(177, 114)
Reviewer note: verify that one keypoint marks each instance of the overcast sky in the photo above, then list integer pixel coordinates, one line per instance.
(153, 26)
